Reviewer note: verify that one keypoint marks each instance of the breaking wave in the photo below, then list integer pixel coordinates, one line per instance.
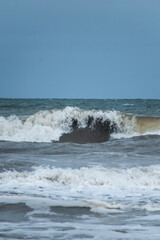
(75, 125)
(85, 177)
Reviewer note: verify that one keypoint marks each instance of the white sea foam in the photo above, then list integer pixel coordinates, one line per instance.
(100, 189)
(132, 178)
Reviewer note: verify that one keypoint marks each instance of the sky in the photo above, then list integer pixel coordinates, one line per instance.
(80, 49)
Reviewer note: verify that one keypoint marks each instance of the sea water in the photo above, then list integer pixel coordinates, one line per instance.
(55, 190)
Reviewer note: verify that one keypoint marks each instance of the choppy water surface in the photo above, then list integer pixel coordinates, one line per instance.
(55, 190)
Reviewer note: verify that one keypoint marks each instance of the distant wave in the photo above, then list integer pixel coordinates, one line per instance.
(128, 104)
(75, 125)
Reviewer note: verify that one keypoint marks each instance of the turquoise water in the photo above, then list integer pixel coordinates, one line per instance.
(147, 107)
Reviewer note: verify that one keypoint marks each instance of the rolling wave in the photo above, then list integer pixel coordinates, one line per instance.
(75, 125)
(85, 177)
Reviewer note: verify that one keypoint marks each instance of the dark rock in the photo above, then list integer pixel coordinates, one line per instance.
(96, 131)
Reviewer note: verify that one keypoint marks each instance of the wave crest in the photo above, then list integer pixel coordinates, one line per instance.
(92, 125)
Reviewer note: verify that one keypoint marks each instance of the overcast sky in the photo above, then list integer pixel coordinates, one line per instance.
(80, 48)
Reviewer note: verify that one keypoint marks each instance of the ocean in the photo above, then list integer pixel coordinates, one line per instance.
(79, 169)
